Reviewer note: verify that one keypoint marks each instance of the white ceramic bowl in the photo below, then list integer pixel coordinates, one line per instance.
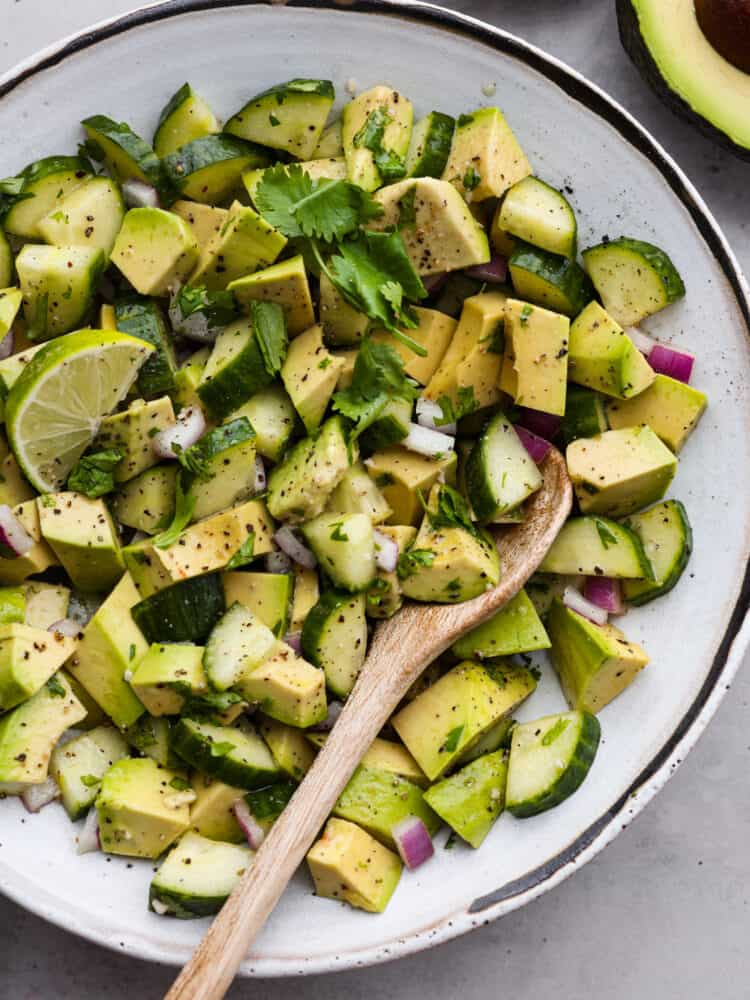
(622, 182)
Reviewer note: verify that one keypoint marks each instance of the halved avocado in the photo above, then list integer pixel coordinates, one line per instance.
(697, 74)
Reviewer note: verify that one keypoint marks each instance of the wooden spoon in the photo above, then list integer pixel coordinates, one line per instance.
(401, 648)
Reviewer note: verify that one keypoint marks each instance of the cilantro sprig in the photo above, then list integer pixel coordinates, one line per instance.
(371, 136)
(94, 475)
(378, 377)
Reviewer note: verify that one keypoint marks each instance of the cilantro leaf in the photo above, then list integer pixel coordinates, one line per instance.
(338, 534)
(270, 332)
(89, 780)
(452, 740)
(605, 535)
(11, 192)
(372, 136)
(378, 376)
(194, 304)
(452, 511)
(94, 475)
(55, 688)
(222, 748)
(471, 179)
(411, 561)
(183, 515)
(243, 555)
(453, 412)
(179, 784)
(277, 194)
(208, 705)
(407, 209)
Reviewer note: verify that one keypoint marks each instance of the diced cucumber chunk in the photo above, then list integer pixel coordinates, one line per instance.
(235, 371)
(500, 473)
(185, 117)
(88, 216)
(236, 756)
(44, 184)
(334, 637)
(538, 214)
(549, 759)
(272, 416)
(430, 145)
(125, 153)
(197, 877)
(289, 116)
(329, 144)
(667, 539)
(238, 643)
(184, 612)
(143, 318)
(79, 765)
(597, 546)
(6, 261)
(584, 414)
(58, 285)
(209, 169)
(559, 283)
(634, 279)
(344, 546)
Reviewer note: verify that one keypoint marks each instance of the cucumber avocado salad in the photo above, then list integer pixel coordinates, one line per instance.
(263, 383)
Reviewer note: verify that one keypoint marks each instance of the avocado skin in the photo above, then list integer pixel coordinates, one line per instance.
(636, 47)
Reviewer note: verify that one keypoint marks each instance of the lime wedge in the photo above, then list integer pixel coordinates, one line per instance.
(54, 408)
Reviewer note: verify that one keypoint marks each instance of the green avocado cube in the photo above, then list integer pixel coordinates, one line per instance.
(603, 357)
(288, 688)
(14, 489)
(267, 595)
(111, 645)
(619, 471)
(39, 557)
(79, 765)
(535, 362)
(83, 536)
(485, 158)
(212, 813)
(167, 675)
(206, 221)
(401, 475)
(133, 431)
(147, 501)
(671, 409)
(143, 808)
(188, 377)
(285, 283)
(516, 628)
(156, 250)
(343, 325)
(28, 658)
(310, 373)
(470, 800)
(245, 243)
(348, 864)
(12, 605)
(290, 749)
(453, 714)
(10, 303)
(377, 800)
(595, 663)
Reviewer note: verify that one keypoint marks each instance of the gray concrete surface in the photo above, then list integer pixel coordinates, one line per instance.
(664, 912)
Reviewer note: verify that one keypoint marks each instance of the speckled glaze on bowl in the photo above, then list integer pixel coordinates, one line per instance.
(621, 182)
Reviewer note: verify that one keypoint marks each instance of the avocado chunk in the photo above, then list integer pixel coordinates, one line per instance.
(401, 475)
(206, 221)
(470, 800)
(342, 324)
(39, 557)
(344, 546)
(28, 733)
(188, 377)
(14, 489)
(348, 864)
(46, 603)
(358, 494)
(485, 159)
(285, 283)
(671, 409)
(12, 605)
(212, 813)
(10, 303)
(132, 431)
(83, 536)
(267, 595)
(300, 485)
(156, 250)
(386, 595)
(255, 519)
(147, 501)
(441, 234)
(219, 469)
(595, 663)
(701, 79)
(535, 363)
(375, 132)
(28, 658)
(111, 645)
(142, 809)
(603, 357)
(453, 714)
(272, 416)
(167, 675)
(385, 755)
(471, 366)
(449, 561)
(515, 628)
(245, 243)
(79, 765)
(288, 688)
(291, 750)
(306, 594)
(203, 548)
(434, 333)
(378, 800)
(310, 373)
(618, 472)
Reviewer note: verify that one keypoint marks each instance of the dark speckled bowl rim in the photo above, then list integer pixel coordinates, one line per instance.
(717, 681)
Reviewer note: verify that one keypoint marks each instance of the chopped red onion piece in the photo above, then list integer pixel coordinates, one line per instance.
(294, 640)
(494, 272)
(6, 345)
(88, 838)
(14, 538)
(536, 446)
(185, 431)
(675, 364)
(434, 282)
(427, 442)
(158, 907)
(139, 194)
(67, 627)
(413, 841)
(605, 592)
(544, 425)
(642, 341)
(261, 480)
(288, 542)
(575, 600)
(335, 709)
(254, 832)
(386, 552)
(278, 562)
(35, 797)
(429, 413)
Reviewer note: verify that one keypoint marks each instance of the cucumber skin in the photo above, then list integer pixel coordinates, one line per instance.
(317, 618)
(207, 151)
(201, 604)
(130, 143)
(236, 383)
(567, 276)
(679, 568)
(584, 414)
(142, 318)
(183, 906)
(657, 259)
(437, 146)
(573, 776)
(197, 752)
